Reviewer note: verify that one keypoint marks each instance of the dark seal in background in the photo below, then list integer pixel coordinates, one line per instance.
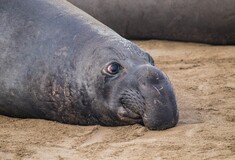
(204, 21)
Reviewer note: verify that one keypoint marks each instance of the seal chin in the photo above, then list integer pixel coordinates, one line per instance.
(159, 125)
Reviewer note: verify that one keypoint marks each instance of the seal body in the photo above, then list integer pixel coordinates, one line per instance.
(59, 63)
(208, 21)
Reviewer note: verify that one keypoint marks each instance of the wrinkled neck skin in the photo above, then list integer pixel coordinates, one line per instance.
(139, 93)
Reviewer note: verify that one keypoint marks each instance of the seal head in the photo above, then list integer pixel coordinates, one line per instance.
(130, 89)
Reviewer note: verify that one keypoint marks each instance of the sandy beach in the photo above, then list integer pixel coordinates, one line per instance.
(203, 77)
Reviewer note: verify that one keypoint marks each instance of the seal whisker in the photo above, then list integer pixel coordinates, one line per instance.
(156, 89)
(160, 88)
(140, 77)
(156, 100)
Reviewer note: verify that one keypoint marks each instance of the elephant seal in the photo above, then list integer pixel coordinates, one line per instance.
(58, 63)
(207, 21)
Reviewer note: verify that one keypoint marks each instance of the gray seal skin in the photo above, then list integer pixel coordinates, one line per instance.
(58, 63)
(204, 21)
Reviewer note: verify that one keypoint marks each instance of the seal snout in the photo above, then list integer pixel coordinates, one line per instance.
(152, 99)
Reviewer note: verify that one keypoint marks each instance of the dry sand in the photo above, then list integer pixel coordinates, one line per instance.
(204, 80)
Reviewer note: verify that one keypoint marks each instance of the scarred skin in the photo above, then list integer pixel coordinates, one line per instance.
(204, 21)
(55, 64)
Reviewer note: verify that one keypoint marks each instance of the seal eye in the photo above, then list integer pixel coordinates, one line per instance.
(113, 68)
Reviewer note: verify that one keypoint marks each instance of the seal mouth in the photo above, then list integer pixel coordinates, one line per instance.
(131, 106)
(127, 115)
